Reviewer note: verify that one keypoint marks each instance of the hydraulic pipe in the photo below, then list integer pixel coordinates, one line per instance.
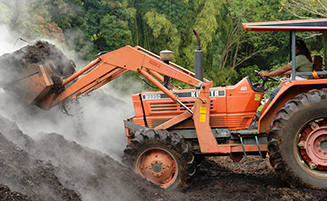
(77, 74)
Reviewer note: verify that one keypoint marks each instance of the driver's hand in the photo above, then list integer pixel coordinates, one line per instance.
(263, 74)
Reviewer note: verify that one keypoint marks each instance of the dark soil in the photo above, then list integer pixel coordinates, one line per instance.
(221, 179)
(7, 194)
(54, 168)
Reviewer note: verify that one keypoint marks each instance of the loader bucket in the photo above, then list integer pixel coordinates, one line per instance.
(32, 84)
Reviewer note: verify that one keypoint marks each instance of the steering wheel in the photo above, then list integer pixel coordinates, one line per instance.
(272, 78)
(264, 80)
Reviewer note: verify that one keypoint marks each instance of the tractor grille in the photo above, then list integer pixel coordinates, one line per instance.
(156, 122)
(218, 121)
(238, 122)
(215, 121)
(171, 106)
(160, 107)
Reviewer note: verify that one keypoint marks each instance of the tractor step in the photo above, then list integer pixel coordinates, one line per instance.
(251, 133)
(257, 142)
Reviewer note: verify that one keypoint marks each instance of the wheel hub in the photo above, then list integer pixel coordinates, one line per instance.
(314, 148)
(157, 166)
(323, 145)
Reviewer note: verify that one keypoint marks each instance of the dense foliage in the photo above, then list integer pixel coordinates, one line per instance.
(87, 27)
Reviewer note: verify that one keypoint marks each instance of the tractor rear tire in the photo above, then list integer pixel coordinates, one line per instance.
(297, 142)
(162, 158)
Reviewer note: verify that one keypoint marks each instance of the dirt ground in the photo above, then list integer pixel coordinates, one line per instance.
(54, 168)
(50, 166)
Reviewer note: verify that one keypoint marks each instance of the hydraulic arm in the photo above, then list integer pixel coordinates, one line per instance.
(111, 65)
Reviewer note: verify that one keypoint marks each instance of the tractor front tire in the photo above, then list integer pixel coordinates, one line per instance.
(162, 158)
(297, 142)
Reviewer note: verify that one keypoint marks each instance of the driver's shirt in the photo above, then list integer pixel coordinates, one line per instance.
(302, 64)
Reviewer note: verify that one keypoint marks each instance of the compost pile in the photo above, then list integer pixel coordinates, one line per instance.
(54, 168)
(12, 64)
(37, 53)
(49, 166)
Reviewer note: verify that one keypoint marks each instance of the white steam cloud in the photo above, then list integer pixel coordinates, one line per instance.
(9, 40)
(95, 121)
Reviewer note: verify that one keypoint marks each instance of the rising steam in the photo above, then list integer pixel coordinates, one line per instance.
(95, 121)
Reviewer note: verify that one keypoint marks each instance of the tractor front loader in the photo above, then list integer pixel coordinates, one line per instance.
(173, 129)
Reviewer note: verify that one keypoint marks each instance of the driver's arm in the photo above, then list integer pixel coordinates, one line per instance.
(280, 71)
(289, 72)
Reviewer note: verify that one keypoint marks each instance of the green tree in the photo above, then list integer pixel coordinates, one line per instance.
(305, 8)
(31, 20)
(239, 49)
(169, 25)
(163, 31)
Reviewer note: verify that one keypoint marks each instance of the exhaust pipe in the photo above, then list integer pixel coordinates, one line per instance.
(198, 57)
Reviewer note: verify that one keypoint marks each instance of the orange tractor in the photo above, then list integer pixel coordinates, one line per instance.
(173, 129)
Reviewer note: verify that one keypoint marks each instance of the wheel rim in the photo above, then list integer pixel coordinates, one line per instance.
(158, 166)
(312, 145)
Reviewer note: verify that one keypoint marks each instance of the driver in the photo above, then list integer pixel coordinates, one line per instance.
(303, 63)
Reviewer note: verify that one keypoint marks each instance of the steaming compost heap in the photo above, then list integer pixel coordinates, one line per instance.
(53, 168)
(37, 53)
(50, 167)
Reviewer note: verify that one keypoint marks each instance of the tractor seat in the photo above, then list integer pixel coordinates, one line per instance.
(317, 63)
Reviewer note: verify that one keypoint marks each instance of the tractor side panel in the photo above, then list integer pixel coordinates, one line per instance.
(231, 107)
(242, 104)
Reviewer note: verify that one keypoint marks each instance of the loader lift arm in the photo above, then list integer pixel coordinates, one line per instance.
(111, 65)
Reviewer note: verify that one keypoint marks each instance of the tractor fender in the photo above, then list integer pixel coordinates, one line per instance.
(288, 91)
